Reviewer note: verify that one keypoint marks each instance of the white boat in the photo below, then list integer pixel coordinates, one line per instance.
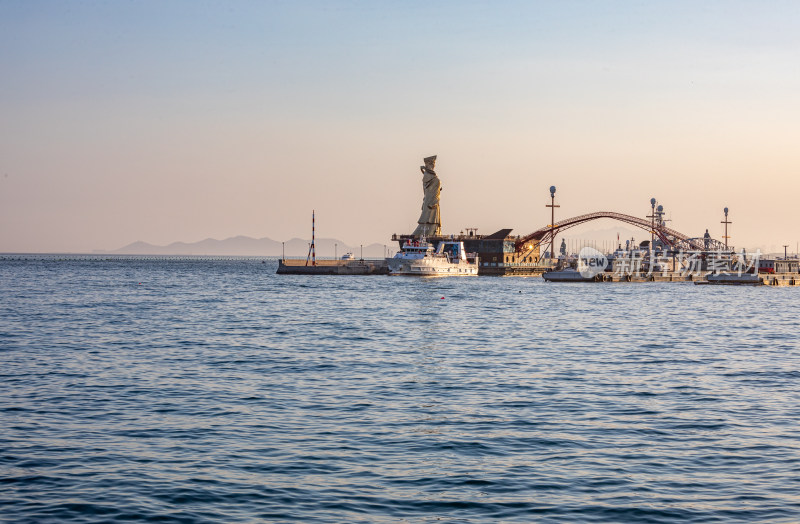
(418, 257)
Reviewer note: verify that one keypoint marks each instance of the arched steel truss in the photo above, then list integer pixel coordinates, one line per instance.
(675, 239)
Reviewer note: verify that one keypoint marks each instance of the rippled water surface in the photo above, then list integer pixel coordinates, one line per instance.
(217, 391)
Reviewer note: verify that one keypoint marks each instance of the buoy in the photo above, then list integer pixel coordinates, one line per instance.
(441, 298)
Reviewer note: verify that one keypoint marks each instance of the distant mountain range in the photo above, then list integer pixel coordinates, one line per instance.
(298, 247)
(247, 246)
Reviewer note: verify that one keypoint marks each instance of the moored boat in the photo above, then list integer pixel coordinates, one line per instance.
(746, 279)
(419, 258)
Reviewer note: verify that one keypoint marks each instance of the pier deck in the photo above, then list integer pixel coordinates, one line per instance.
(333, 267)
(766, 279)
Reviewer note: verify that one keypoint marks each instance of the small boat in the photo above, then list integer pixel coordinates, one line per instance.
(419, 258)
(734, 279)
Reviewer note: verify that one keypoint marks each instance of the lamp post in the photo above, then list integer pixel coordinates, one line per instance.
(726, 222)
(283, 251)
(552, 207)
(652, 222)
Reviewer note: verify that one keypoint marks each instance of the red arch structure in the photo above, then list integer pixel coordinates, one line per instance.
(675, 239)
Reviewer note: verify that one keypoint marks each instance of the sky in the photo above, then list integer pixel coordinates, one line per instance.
(183, 120)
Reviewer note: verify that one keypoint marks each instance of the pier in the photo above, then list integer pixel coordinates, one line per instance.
(332, 267)
(667, 256)
(705, 277)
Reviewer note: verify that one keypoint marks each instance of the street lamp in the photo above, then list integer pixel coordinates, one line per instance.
(726, 222)
(552, 207)
(652, 222)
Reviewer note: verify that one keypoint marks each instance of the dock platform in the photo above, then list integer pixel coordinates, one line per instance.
(705, 277)
(333, 267)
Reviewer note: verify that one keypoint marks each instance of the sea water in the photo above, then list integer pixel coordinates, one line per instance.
(217, 391)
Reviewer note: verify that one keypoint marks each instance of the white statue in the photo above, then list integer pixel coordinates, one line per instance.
(430, 223)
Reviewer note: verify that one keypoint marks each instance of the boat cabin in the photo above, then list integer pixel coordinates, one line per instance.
(454, 250)
(774, 265)
(420, 247)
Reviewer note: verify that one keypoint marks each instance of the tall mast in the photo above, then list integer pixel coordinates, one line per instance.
(312, 252)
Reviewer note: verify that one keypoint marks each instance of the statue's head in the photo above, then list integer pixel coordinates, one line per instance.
(430, 162)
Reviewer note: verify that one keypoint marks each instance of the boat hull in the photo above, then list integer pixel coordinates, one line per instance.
(569, 276)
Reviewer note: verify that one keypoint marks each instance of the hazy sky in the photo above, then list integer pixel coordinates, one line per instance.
(177, 121)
